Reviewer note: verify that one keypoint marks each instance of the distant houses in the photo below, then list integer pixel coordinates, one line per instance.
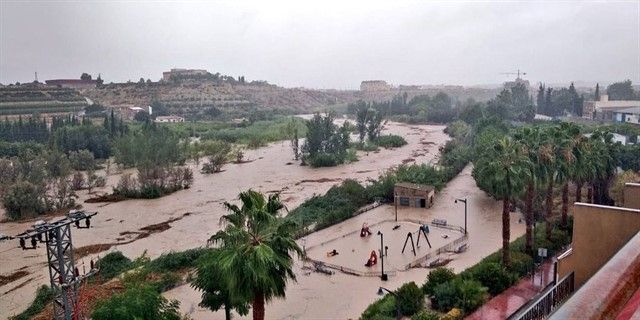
(621, 111)
(170, 119)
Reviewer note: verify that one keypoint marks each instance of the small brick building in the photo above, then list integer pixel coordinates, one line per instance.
(413, 195)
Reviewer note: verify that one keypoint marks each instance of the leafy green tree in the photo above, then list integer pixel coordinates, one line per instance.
(142, 116)
(621, 91)
(436, 277)
(374, 125)
(540, 100)
(24, 199)
(137, 303)
(596, 96)
(82, 160)
(493, 276)
(256, 250)
(410, 298)
(217, 153)
(85, 76)
(215, 292)
(502, 167)
(362, 115)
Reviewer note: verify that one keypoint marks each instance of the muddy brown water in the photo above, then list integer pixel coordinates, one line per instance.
(267, 172)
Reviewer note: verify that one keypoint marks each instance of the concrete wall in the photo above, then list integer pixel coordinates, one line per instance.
(413, 195)
(631, 195)
(598, 233)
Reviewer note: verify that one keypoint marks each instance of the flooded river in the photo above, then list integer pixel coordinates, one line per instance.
(195, 215)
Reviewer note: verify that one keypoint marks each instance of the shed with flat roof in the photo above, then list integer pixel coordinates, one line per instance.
(415, 195)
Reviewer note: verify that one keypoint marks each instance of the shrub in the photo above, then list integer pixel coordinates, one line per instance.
(381, 309)
(453, 314)
(24, 199)
(410, 298)
(390, 141)
(44, 296)
(174, 261)
(142, 302)
(493, 276)
(425, 315)
(460, 293)
(521, 263)
(113, 264)
(436, 277)
(324, 160)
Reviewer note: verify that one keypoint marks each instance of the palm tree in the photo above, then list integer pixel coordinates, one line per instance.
(256, 249)
(529, 138)
(584, 168)
(547, 157)
(569, 137)
(503, 170)
(603, 151)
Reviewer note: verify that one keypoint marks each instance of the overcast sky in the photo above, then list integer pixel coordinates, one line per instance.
(323, 44)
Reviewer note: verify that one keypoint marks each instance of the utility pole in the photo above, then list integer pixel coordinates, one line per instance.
(63, 275)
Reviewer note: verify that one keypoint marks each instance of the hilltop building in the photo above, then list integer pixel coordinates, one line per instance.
(72, 83)
(627, 111)
(374, 85)
(170, 119)
(182, 73)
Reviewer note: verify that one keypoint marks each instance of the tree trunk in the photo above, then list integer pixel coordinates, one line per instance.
(258, 306)
(506, 233)
(227, 311)
(565, 203)
(528, 216)
(579, 191)
(590, 193)
(548, 208)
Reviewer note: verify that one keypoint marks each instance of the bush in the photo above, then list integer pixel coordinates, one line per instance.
(493, 276)
(410, 298)
(44, 296)
(24, 199)
(425, 315)
(465, 294)
(325, 160)
(112, 265)
(390, 141)
(174, 261)
(137, 303)
(437, 277)
(521, 263)
(381, 309)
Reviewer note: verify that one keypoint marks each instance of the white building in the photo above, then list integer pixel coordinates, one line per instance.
(612, 110)
(169, 119)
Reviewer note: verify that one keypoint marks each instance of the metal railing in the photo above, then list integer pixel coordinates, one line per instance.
(548, 302)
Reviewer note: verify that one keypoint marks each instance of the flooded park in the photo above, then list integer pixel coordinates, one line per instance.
(187, 218)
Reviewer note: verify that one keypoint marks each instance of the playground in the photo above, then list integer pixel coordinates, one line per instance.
(358, 252)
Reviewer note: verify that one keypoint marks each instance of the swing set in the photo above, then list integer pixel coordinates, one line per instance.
(424, 230)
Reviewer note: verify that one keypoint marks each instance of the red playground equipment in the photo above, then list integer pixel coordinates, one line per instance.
(364, 232)
(373, 259)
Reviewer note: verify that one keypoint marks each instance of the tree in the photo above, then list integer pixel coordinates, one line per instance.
(530, 139)
(410, 298)
(137, 303)
(142, 116)
(24, 199)
(291, 130)
(256, 249)
(502, 167)
(362, 114)
(85, 76)
(217, 153)
(82, 160)
(374, 125)
(596, 96)
(215, 293)
(621, 91)
(540, 100)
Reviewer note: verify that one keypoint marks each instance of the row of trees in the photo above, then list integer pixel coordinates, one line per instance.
(422, 108)
(558, 102)
(326, 144)
(531, 162)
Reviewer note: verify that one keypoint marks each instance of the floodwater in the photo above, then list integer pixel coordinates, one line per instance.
(195, 215)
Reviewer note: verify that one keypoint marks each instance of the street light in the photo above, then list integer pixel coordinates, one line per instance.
(381, 291)
(465, 212)
(383, 276)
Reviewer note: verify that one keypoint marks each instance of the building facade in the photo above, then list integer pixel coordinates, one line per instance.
(374, 85)
(72, 83)
(627, 111)
(170, 119)
(167, 75)
(413, 195)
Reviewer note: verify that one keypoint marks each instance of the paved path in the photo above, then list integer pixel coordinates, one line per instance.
(509, 301)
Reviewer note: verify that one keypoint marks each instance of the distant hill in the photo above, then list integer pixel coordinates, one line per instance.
(38, 98)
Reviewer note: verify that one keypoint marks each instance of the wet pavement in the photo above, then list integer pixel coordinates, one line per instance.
(509, 301)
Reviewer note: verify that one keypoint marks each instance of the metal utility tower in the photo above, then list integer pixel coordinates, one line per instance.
(64, 276)
(518, 73)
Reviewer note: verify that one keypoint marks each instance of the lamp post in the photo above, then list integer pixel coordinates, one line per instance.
(383, 276)
(381, 291)
(465, 212)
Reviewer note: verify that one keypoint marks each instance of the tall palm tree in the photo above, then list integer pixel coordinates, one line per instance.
(529, 138)
(256, 250)
(503, 170)
(569, 137)
(584, 168)
(548, 162)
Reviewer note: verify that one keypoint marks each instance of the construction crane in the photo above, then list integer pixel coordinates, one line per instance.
(518, 73)
(65, 278)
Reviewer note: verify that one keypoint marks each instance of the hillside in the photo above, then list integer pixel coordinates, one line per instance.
(37, 98)
(194, 98)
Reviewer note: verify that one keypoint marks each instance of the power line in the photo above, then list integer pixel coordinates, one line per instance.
(64, 276)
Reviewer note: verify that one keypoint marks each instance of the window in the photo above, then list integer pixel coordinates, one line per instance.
(404, 201)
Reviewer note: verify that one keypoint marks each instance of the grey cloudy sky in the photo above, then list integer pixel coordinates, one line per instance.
(323, 44)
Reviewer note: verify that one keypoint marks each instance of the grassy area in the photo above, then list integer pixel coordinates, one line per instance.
(255, 134)
(44, 296)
